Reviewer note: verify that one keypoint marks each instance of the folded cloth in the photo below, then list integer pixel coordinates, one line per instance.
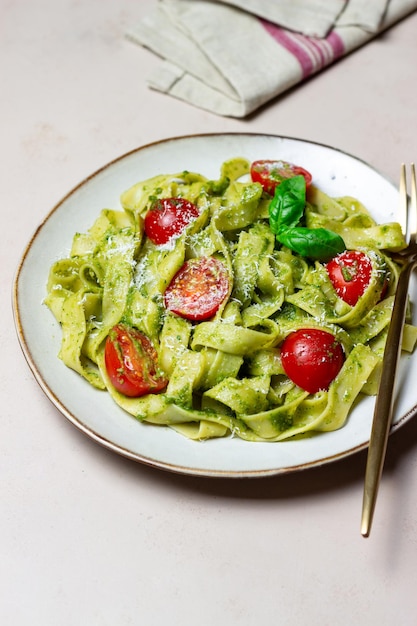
(366, 15)
(314, 18)
(231, 60)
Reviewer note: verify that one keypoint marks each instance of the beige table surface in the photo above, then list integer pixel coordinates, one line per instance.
(91, 538)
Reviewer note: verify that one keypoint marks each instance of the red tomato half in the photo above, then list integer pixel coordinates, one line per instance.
(350, 273)
(167, 218)
(132, 362)
(271, 173)
(312, 358)
(197, 289)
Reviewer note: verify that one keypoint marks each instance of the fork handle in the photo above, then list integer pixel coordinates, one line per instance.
(385, 401)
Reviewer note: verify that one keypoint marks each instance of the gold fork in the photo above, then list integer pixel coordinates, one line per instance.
(385, 399)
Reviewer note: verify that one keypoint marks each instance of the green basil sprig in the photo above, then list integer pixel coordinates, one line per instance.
(285, 211)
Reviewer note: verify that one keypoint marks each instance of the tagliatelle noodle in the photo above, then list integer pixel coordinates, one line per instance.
(225, 374)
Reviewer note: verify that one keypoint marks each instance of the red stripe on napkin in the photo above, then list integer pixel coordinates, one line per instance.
(312, 54)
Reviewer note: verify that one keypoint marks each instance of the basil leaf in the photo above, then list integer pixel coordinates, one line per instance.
(318, 244)
(287, 206)
(285, 211)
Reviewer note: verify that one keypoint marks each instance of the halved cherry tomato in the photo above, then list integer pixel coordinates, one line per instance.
(350, 274)
(271, 173)
(312, 358)
(132, 362)
(198, 289)
(167, 218)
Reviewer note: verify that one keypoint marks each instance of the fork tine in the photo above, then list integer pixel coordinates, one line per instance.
(413, 206)
(403, 200)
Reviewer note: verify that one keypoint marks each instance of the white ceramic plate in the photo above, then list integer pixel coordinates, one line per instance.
(93, 412)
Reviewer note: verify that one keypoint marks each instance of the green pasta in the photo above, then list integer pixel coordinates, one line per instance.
(225, 375)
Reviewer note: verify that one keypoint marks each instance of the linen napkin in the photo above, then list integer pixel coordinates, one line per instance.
(230, 57)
